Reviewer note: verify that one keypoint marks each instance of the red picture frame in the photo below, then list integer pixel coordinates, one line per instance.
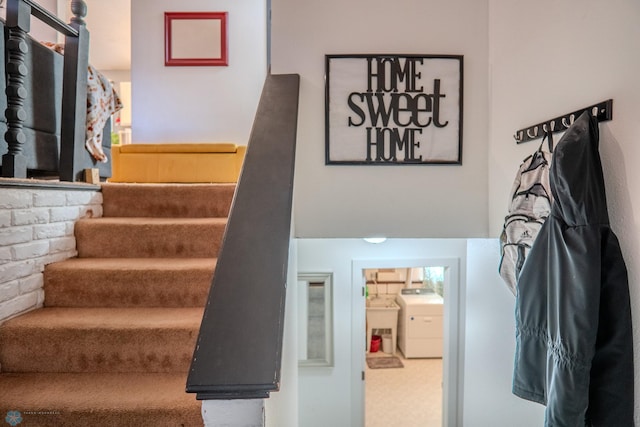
(195, 39)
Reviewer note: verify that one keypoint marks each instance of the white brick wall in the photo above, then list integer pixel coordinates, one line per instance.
(36, 229)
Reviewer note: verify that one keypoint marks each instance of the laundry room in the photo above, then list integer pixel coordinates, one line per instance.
(404, 344)
(404, 310)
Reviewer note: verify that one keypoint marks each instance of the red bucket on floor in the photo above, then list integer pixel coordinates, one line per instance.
(376, 340)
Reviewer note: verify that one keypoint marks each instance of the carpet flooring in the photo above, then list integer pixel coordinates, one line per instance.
(113, 343)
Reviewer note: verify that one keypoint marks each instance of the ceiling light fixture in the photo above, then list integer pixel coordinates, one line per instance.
(375, 240)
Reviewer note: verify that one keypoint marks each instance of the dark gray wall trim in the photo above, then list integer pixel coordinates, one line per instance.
(239, 348)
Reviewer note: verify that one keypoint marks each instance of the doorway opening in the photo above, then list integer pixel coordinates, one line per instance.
(426, 343)
(403, 375)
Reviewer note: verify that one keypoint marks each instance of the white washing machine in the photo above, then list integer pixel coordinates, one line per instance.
(420, 323)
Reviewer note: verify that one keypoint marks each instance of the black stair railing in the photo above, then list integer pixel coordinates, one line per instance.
(239, 348)
(74, 89)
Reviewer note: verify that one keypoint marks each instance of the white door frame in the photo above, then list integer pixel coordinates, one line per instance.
(453, 352)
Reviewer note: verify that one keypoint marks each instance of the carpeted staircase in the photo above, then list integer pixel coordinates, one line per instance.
(113, 344)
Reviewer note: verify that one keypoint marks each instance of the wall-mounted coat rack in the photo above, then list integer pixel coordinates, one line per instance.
(603, 111)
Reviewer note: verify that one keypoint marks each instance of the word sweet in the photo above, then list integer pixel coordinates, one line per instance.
(395, 108)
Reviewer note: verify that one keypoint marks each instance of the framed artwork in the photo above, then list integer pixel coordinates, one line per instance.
(393, 109)
(195, 39)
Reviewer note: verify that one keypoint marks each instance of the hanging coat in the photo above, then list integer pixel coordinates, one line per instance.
(574, 350)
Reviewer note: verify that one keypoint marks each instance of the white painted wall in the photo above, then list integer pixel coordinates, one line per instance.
(109, 25)
(39, 30)
(326, 394)
(196, 104)
(402, 201)
(281, 409)
(568, 55)
(490, 346)
(233, 413)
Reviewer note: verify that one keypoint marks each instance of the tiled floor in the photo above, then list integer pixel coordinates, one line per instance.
(406, 397)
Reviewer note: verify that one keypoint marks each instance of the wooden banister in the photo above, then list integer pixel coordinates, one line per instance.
(74, 87)
(74, 96)
(239, 347)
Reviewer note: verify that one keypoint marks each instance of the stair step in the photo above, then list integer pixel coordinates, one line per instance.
(131, 399)
(149, 237)
(114, 342)
(128, 282)
(100, 340)
(167, 200)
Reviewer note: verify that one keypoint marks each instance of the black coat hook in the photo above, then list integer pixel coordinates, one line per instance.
(603, 111)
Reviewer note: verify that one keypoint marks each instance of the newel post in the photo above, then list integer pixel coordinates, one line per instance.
(14, 163)
(74, 96)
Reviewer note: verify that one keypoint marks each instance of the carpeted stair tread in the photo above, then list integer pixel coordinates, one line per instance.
(149, 237)
(128, 282)
(114, 342)
(131, 399)
(167, 200)
(100, 340)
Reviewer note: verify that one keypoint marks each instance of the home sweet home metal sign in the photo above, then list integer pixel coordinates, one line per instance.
(393, 109)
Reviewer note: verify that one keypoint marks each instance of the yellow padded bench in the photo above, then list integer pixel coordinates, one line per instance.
(193, 162)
